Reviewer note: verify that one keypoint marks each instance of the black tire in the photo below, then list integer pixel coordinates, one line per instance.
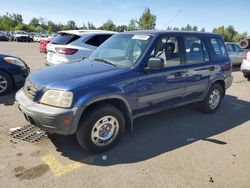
(87, 123)
(206, 105)
(9, 83)
(246, 75)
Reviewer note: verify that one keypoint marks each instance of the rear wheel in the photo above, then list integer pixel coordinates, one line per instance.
(5, 83)
(213, 99)
(100, 128)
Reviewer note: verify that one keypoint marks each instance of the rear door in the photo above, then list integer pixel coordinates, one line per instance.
(199, 67)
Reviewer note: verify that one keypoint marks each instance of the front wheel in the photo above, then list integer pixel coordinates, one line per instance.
(5, 83)
(100, 128)
(213, 99)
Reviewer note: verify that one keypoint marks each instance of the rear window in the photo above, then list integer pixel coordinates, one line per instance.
(97, 40)
(64, 38)
(218, 47)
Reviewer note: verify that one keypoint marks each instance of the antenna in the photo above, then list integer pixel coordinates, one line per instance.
(172, 19)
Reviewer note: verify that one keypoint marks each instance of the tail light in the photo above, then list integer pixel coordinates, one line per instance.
(67, 51)
(247, 56)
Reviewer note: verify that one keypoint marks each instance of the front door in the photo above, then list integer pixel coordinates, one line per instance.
(163, 87)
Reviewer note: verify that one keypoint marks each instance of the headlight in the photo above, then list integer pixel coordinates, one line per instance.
(57, 98)
(14, 61)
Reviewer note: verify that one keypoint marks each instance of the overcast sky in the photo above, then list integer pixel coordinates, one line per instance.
(174, 13)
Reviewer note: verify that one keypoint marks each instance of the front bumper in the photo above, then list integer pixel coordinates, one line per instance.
(20, 76)
(48, 118)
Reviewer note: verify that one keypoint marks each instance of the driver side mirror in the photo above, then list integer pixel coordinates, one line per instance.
(154, 63)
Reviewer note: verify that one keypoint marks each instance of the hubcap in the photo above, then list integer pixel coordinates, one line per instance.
(214, 99)
(105, 131)
(3, 84)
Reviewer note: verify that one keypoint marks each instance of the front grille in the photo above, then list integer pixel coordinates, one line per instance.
(30, 89)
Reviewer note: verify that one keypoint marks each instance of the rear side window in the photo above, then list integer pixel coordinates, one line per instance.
(64, 38)
(195, 50)
(237, 48)
(230, 47)
(97, 40)
(218, 47)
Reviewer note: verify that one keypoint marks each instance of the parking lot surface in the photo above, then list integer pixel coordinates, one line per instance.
(175, 148)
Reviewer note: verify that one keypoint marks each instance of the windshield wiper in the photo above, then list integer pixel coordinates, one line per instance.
(104, 61)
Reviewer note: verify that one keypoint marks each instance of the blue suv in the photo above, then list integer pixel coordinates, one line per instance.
(130, 75)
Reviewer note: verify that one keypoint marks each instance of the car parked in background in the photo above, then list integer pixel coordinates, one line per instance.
(130, 75)
(52, 35)
(74, 44)
(13, 72)
(43, 45)
(39, 37)
(245, 66)
(3, 36)
(235, 53)
(22, 36)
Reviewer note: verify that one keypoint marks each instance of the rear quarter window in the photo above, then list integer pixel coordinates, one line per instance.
(64, 39)
(97, 40)
(219, 48)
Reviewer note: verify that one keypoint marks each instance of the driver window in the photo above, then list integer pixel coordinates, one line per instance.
(167, 49)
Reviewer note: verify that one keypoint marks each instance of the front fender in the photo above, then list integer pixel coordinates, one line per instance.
(100, 95)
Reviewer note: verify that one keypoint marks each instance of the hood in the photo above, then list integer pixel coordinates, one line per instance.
(74, 75)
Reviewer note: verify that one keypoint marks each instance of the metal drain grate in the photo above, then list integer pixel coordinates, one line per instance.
(28, 133)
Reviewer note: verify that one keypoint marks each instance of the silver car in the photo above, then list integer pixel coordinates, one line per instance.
(235, 53)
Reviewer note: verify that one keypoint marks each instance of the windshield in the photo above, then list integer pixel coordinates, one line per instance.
(122, 49)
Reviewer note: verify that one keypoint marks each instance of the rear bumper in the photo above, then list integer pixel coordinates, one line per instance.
(50, 119)
(245, 66)
(43, 50)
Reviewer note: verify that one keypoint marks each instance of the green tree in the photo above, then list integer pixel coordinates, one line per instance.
(34, 22)
(90, 25)
(84, 26)
(51, 27)
(20, 26)
(109, 26)
(229, 34)
(71, 25)
(121, 28)
(203, 30)
(147, 20)
(195, 28)
(132, 25)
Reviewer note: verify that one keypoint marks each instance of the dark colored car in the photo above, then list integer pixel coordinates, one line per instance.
(13, 72)
(3, 36)
(130, 75)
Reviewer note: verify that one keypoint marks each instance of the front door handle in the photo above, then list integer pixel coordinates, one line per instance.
(212, 68)
(179, 74)
(176, 75)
